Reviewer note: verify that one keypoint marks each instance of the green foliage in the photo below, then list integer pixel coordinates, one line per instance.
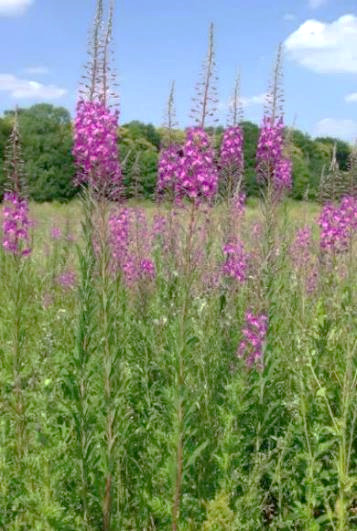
(106, 379)
(5, 130)
(301, 175)
(139, 147)
(47, 142)
(220, 516)
(46, 134)
(343, 150)
(251, 134)
(313, 157)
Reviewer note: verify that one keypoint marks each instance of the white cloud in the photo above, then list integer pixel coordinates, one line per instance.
(224, 106)
(25, 89)
(315, 4)
(289, 17)
(346, 129)
(351, 98)
(254, 100)
(36, 70)
(14, 7)
(325, 47)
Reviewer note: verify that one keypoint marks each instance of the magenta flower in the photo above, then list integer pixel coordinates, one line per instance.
(147, 268)
(159, 226)
(282, 176)
(238, 204)
(169, 167)
(197, 176)
(254, 333)
(236, 263)
(189, 171)
(96, 148)
(16, 224)
(232, 156)
(338, 223)
(270, 143)
(66, 280)
(131, 244)
(56, 233)
(304, 260)
(300, 248)
(272, 166)
(119, 224)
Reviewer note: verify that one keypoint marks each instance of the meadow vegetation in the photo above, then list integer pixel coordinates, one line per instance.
(184, 364)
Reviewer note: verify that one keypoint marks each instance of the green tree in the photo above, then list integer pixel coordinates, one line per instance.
(301, 174)
(251, 134)
(139, 158)
(46, 133)
(5, 130)
(343, 150)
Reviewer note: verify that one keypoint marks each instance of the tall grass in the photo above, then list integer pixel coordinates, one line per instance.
(125, 406)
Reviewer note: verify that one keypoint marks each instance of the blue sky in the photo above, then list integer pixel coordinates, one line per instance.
(43, 49)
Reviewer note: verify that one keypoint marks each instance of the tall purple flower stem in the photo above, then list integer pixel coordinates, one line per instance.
(196, 179)
(231, 153)
(98, 170)
(16, 244)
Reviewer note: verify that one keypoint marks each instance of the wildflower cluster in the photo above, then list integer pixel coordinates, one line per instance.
(238, 204)
(232, 157)
(16, 223)
(254, 332)
(338, 223)
(236, 263)
(304, 260)
(159, 225)
(197, 175)
(56, 233)
(191, 171)
(272, 166)
(95, 148)
(66, 280)
(119, 224)
(270, 143)
(282, 176)
(131, 242)
(168, 167)
(300, 248)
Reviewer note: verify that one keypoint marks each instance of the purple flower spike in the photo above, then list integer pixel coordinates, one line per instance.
(95, 148)
(16, 224)
(271, 163)
(131, 244)
(338, 223)
(169, 167)
(300, 248)
(236, 264)
(197, 176)
(232, 156)
(254, 333)
(66, 280)
(56, 233)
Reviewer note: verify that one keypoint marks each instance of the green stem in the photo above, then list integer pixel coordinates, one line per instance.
(180, 412)
(17, 363)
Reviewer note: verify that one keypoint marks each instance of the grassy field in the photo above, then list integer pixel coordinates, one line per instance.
(190, 369)
(48, 215)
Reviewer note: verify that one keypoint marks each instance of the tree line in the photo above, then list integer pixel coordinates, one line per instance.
(46, 133)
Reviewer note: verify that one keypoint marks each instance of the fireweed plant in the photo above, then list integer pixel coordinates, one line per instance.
(190, 173)
(16, 245)
(189, 364)
(274, 169)
(96, 154)
(231, 151)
